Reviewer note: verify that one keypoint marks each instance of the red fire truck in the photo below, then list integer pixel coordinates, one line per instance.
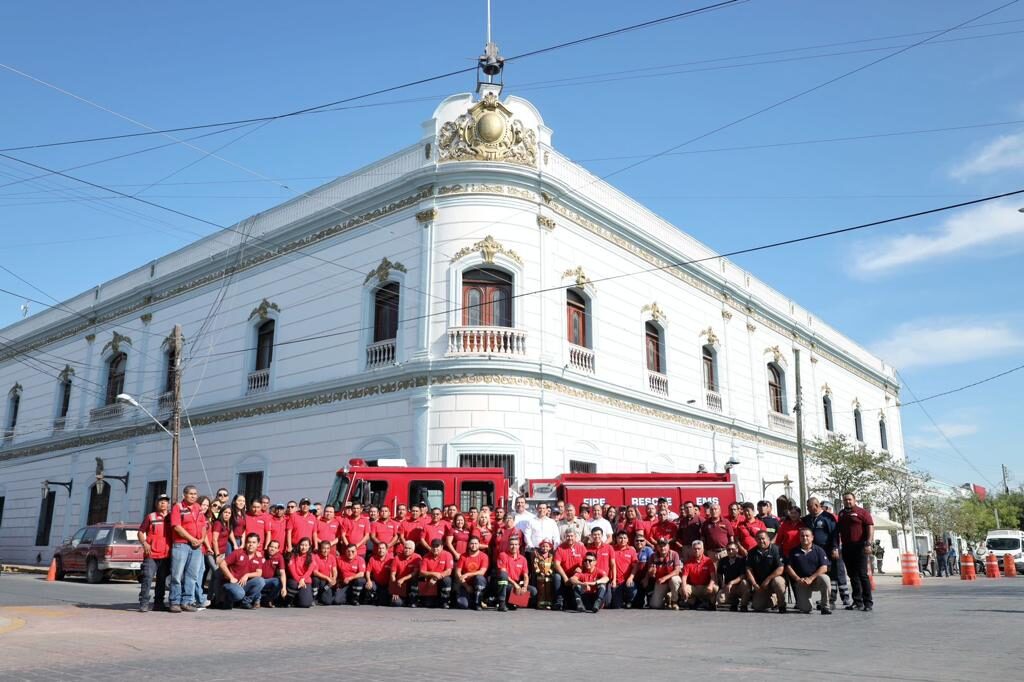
(468, 487)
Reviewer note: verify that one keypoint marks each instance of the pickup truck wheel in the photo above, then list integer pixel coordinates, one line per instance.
(93, 574)
(60, 570)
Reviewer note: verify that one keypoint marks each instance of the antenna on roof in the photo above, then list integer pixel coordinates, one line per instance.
(489, 64)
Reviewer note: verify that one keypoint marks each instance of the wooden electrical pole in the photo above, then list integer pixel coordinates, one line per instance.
(176, 415)
(802, 476)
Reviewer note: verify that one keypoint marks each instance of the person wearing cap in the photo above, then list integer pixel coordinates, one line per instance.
(807, 570)
(765, 516)
(698, 588)
(568, 561)
(513, 572)
(764, 573)
(732, 577)
(663, 569)
(569, 520)
(435, 578)
(825, 527)
(544, 575)
(243, 573)
(156, 548)
(471, 577)
(301, 524)
(623, 588)
(589, 585)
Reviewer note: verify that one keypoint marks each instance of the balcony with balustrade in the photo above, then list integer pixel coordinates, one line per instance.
(781, 422)
(657, 382)
(581, 359)
(106, 413)
(490, 341)
(259, 382)
(380, 354)
(713, 400)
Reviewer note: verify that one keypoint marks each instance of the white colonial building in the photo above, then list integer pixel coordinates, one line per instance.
(475, 298)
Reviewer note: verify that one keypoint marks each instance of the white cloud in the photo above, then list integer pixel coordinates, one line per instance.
(931, 438)
(972, 228)
(1006, 152)
(919, 344)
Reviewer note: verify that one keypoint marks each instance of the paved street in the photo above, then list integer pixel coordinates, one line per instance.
(946, 630)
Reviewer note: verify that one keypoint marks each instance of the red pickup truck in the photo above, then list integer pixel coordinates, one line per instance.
(98, 550)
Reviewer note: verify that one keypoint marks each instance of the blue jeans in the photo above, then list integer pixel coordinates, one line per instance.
(185, 565)
(471, 592)
(249, 593)
(590, 600)
(199, 597)
(623, 596)
(271, 589)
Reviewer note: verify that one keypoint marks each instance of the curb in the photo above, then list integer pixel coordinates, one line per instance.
(17, 568)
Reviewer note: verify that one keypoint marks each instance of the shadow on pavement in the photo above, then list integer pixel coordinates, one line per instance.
(134, 606)
(994, 610)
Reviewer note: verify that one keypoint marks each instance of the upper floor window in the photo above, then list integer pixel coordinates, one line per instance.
(655, 347)
(858, 425)
(883, 435)
(13, 403)
(577, 331)
(486, 298)
(709, 359)
(776, 389)
(65, 398)
(265, 345)
(385, 312)
(115, 377)
(826, 405)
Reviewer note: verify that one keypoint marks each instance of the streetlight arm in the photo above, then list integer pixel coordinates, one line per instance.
(150, 415)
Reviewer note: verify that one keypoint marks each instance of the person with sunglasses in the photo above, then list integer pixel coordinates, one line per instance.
(589, 585)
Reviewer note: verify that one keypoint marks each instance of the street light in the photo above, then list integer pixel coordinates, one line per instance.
(731, 463)
(128, 400)
(67, 485)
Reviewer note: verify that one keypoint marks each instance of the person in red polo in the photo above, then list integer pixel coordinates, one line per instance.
(568, 561)
(514, 576)
(623, 587)
(275, 575)
(383, 529)
(589, 585)
(689, 528)
(277, 526)
(156, 548)
(747, 528)
(716, 532)
(412, 528)
(243, 573)
(435, 579)
(300, 574)
(698, 580)
(351, 576)
(378, 575)
(188, 531)
(256, 522)
(301, 524)
(662, 528)
(434, 529)
(355, 530)
(325, 576)
(328, 529)
(788, 535)
(857, 533)
(471, 577)
(405, 568)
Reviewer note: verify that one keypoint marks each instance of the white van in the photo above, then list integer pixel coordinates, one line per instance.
(1002, 542)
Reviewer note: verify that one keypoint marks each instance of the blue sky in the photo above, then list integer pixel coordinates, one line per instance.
(937, 296)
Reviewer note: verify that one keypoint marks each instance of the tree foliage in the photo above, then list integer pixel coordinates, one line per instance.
(844, 466)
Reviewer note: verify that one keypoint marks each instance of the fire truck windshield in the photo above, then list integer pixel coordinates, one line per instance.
(338, 491)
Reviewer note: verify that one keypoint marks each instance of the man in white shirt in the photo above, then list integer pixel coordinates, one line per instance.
(597, 520)
(522, 516)
(542, 527)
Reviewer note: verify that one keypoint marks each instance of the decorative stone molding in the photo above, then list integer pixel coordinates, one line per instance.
(88, 337)
(66, 373)
(15, 390)
(855, 404)
(814, 360)
(383, 271)
(488, 248)
(579, 276)
(657, 314)
(726, 315)
(710, 334)
(751, 327)
(115, 344)
(426, 215)
(545, 222)
(146, 318)
(263, 310)
(776, 354)
(826, 390)
(487, 132)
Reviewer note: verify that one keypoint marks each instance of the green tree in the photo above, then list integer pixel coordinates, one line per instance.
(898, 485)
(842, 466)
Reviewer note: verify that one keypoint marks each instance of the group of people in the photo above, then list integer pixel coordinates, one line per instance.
(253, 554)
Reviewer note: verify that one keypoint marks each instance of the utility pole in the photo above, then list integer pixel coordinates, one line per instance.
(1006, 484)
(176, 415)
(799, 409)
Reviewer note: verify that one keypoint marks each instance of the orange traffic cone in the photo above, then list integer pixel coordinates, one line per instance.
(1009, 569)
(51, 575)
(967, 568)
(991, 566)
(908, 563)
(871, 572)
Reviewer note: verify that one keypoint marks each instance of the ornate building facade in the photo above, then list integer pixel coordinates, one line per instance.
(473, 299)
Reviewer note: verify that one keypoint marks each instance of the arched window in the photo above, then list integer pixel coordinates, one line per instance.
(826, 405)
(653, 340)
(486, 298)
(13, 403)
(115, 377)
(265, 345)
(858, 425)
(883, 435)
(709, 359)
(776, 389)
(576, 317)
(65, 397)
(385, 312)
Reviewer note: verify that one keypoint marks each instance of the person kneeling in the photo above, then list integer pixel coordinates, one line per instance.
(807, 570)
(589, 585)
(470, 575)
(514, 588)
(436, 576)
(699, 588)
(405, 570)
(243, 573)
(325, 576)
(351, 576)
(275, 580)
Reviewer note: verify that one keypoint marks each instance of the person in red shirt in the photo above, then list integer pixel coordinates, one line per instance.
(188, 532)
(301, 524)
(514, 575)
(300, 574)
(484, 531)
(275, 577)
(243, 574)
(568, 562)
(401, 513)
(277, 525)
(788, 535)
(456, 540)
(698, 580)
(716, 532)
(434, 529)
(589, 585)
(735, 513)
(605, 557)
(405, 568)
(857, 533)
(662, 528)
(663, 581)
(631, 522)
(412, 528)
(156, 548)
(471, 577)
(328, 529)
(435, 578)
(256, 523)
(623, 587)
(383, 530)
(689, 524)
(355, 530)
(351, 576)
(747, 528)
(325, 576)
(378, 575)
